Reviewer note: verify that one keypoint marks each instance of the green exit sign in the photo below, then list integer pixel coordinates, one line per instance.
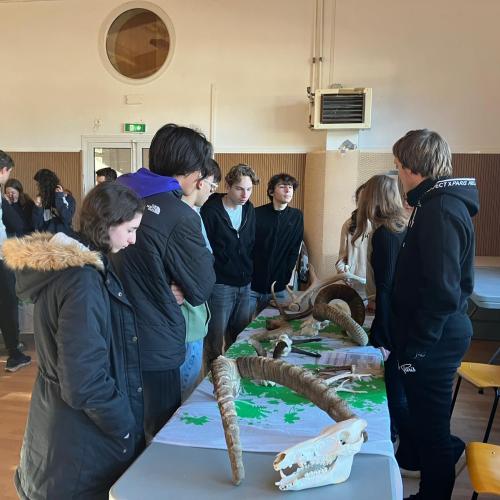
(135, 127)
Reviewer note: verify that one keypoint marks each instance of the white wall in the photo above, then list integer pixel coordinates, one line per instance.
(430, 63)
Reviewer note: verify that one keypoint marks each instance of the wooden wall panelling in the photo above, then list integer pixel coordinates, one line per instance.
(67, 166)
(266, 165)
(486, 170)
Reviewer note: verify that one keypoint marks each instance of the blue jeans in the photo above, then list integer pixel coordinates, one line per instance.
(259, 301)
(191, 368)
(231, 313)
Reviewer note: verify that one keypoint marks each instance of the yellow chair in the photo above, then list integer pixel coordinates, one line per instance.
(483, 376)
(483, 464)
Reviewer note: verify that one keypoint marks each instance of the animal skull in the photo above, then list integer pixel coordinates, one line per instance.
(325, 459)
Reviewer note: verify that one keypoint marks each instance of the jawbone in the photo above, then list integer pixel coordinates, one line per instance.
(323, 460)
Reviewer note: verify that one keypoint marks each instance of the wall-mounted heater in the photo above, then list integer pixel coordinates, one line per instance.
(343, 108)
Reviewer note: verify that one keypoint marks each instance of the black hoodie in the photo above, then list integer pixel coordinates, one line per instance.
(232, 249)
(435, 268)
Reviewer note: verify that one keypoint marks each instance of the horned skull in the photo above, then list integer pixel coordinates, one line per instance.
(325, 459)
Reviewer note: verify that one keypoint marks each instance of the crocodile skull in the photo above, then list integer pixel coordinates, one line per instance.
(325, 459)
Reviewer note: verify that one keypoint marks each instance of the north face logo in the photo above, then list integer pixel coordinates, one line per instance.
(153, 208)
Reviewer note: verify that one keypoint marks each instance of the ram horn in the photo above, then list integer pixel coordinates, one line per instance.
(227, 374)
(347, 294)
(334, 314)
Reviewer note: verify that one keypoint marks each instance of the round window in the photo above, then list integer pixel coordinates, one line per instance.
(138, 43)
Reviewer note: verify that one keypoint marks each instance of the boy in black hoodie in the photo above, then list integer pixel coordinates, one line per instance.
(433, 280)
(230, 223)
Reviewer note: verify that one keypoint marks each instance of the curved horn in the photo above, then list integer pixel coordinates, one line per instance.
(257, 346)
(226, 383)
(226, 376)
(355, 331)
(348, 295)
(289, 316)
(298, 379)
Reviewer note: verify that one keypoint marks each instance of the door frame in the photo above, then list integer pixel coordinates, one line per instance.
(89, 142)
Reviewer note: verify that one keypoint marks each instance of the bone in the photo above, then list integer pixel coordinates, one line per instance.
(227, 374)
(353, 329)
(283, 347)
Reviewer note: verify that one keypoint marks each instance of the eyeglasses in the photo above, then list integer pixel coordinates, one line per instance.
(213, 185)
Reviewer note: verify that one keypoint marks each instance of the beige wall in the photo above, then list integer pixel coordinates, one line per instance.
(430, 63)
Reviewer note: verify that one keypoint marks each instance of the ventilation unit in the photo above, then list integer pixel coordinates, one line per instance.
(341, 108)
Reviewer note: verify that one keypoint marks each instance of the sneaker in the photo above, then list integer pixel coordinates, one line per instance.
(460, 464)
(21, 346)
(17, 361)
(413, 474)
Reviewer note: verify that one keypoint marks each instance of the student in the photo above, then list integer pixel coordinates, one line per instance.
(106, 174)
(433, 280)
(85, 421)
(230, 223)
(279, 230)
(353, 256)
(197, 317)
(54, 207)
(380, 207)
(169, 263)
(9, 316)
(17, 209)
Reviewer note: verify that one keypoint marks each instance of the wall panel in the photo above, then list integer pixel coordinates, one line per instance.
(67, 166)
(265, 166)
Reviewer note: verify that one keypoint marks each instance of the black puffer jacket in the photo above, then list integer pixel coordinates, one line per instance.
(58, 218)
(88, 394)
(434, 274)
(233, 250)
(169, 248)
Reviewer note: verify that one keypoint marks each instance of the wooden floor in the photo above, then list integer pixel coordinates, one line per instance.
(469, 419)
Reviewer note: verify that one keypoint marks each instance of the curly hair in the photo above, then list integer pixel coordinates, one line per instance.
(282, 178)
(47, 183)
(108, 204)
(239, 171)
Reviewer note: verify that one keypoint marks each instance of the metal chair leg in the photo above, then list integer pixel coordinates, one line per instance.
(455, 394)
(492, 415)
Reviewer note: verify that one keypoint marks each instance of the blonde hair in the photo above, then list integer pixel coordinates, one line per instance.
(380, 203)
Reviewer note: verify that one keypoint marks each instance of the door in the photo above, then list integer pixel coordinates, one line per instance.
(124, 154)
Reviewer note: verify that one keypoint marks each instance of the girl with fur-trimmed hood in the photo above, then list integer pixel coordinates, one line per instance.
(85, 424)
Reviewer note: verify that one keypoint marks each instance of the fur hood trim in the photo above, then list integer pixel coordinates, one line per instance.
(47, 252)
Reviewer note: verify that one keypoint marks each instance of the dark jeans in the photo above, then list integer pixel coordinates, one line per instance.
(162, 396)
(428, 383)
(231, 313)
(9, 315)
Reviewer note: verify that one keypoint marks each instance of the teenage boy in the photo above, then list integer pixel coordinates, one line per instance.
(9, 315)
(230, 223)
(433, 280)
(279, 230)
(197, 317)
(106, 174)
(168, 263)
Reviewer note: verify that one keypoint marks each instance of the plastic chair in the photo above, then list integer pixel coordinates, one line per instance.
(483, 376)
(483, 464)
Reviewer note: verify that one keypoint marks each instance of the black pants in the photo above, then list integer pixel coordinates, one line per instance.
(428, 384)
(9, 316)
(162, 396)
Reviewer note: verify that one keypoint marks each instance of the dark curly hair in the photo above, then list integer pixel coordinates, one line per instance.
(282, 178)
(108, 204)
(47, 183)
